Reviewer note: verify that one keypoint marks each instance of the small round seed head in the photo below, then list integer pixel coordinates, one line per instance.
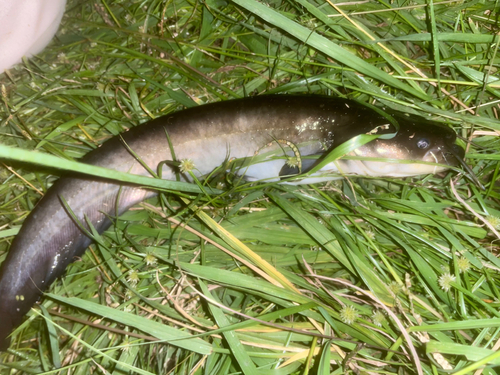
(133, 277)
(292, 161)
(150, 260)
(463, 264)
(187, 165)
(349, 314)
(494, 221)
(378, 318)
(445, 281)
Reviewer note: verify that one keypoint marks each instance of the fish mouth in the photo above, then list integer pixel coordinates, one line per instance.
(459, 156)
(453, 155)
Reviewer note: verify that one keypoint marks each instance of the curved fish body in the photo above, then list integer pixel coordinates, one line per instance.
(49, 239)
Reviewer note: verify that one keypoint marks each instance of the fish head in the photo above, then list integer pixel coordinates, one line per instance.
(417, 148)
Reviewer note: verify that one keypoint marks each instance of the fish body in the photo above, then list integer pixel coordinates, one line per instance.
(208, 135)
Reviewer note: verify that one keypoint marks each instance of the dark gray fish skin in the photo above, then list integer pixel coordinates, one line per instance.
(49, 240)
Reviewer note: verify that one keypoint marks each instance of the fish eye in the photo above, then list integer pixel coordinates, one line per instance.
(423, 143)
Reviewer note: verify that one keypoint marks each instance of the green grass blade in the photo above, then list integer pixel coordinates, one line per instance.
(163, 332)
(325, 46)
(246, 364)
(49, 161)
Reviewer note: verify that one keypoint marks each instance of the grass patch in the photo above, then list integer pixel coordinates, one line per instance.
(378, 275)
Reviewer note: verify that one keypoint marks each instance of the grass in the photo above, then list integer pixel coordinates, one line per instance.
(361, 275)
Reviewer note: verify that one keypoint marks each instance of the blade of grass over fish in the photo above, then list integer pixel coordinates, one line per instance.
(342, 150)
(49, 161)
(325, 46)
